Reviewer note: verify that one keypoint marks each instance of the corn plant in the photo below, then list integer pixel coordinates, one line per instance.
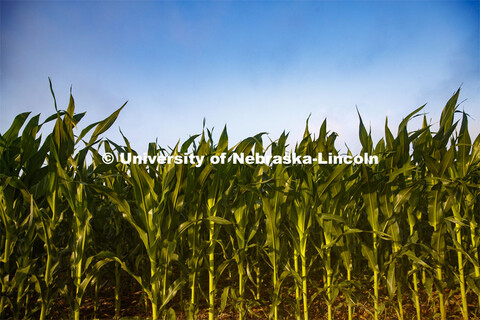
(219, 234)
(273, 201)
(245, 221)
(370, 187)
(21, 172)
(152, 220)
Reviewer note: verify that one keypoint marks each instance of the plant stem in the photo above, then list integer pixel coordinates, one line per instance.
(192, 308)
(473, 235)
(297, 286)
(396, 249)
(415, 288)
(349, 278)
(375, 276)
(304, 286)
(164, 284)
(241, 292)
(415, 282)
(257, 273)
(441, 295)
(211, 273)
(117, 290)
(458, 233)
(155, 289)
(4, 289)
(329, 293)
(78, 278)
(275, 309)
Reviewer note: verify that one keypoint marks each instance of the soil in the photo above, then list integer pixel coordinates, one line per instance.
(135, 306)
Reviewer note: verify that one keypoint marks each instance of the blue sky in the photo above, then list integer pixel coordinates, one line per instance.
(254, 66)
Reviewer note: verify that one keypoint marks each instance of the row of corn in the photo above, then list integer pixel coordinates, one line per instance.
(243, 238)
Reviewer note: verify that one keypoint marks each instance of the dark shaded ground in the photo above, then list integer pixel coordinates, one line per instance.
(135, 306)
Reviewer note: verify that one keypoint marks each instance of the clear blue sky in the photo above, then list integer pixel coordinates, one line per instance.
(255, 66)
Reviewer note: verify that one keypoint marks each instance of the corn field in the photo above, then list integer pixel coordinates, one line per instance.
(252, 241)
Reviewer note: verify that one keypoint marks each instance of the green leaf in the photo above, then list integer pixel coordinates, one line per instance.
(105, 124)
